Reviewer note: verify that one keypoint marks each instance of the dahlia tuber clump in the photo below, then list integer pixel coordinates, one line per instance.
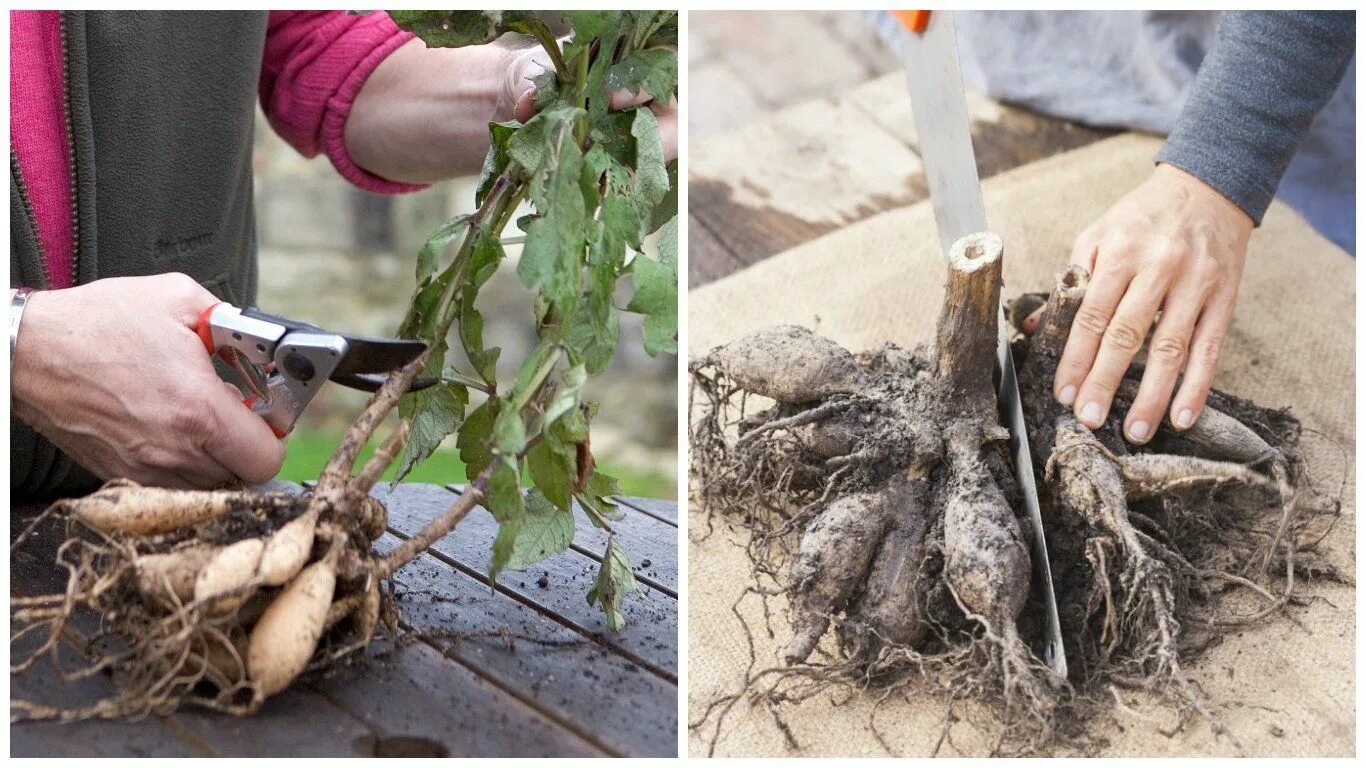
(880, 500)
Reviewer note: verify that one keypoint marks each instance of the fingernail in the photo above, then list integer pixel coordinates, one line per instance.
(1068, 395)
(1138, 431)
(1184, 418)
(1090, 414)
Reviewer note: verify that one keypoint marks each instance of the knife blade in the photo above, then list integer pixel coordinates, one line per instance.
(929, 50)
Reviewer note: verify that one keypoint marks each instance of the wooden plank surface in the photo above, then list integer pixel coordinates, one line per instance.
(651, 636)
(796, 174)
(475, 672)
(592, 690)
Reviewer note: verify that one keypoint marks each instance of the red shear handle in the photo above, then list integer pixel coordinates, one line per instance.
(249, 402)
(205, 327)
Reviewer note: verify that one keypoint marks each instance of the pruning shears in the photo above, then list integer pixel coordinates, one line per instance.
(285, 362)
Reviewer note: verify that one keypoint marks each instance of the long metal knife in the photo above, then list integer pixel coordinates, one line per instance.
(929, 50)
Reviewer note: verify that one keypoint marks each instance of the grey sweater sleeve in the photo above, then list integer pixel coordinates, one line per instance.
(1255, 95)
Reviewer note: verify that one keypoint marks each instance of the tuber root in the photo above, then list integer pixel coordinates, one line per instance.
(880, 486)
(287, 634)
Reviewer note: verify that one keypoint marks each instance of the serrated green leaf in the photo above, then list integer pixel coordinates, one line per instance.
(612, 132)
(509, 431)
(436, 413)
(652, 179)
(430, 256)
(588, 25)
(496, 161)
(545, 530)
(504, 502)
(668, 207)
(656, 293)
(541, 134)
(551, 257)
(456, 29)
(567, 395)
(484, 261)
(475, 440)
(653, 70)
(595, 327)
(551, 464)
(615, 580)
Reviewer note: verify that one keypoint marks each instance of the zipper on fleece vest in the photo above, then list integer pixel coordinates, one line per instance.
(70, 153)
(18, 174)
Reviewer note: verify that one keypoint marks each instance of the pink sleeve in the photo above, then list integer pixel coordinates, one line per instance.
(315, 63)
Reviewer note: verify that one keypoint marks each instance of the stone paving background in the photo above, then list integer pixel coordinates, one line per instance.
(343, 258)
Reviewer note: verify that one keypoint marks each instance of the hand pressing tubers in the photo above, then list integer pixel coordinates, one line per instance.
(877, 491)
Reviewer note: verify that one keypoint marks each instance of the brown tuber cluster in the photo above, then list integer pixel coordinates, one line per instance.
(879, 496)
(219, 598)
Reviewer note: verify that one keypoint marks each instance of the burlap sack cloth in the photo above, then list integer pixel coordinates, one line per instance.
(1283, 687)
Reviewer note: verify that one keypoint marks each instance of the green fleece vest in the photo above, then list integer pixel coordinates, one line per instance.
(161, 107)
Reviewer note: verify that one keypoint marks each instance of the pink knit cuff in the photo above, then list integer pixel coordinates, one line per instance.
(315, 63)
(339, 108)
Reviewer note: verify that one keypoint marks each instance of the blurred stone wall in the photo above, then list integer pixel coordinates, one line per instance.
(343, 258)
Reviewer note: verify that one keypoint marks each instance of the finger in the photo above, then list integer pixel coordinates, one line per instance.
(1031, 323)
(241, 441)
(1088, 328)
(1206, 344)
(524, 108)
(1166, 355)
(667, 117)
(623, 99)
(1122, 339)
(1084, 250)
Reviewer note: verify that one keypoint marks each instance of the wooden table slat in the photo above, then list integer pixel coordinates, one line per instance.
(651, 635)
(650, 543)
(632, 713)
(413, 691)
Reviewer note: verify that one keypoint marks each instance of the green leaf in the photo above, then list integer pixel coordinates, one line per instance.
(603, 485)
(552, 466)
(551, 258)
(475, 440)
(652, 180)
(484, 261)
(496, 161)
(455, 29)
(653, 70)
(612, 132)
(505, 503)
(589, 26)
(430, 255)
(567, 395)
(615, 580)
(509, 431)
(668, 207)
(545, 530)
(665, 34)
(595, 328)
(540, 136)
(436, 413)
(656, 293)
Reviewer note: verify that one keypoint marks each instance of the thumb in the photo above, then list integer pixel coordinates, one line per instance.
(1031, 323)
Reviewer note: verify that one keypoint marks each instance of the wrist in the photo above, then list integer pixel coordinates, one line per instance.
(26, 338)
(1199, 189)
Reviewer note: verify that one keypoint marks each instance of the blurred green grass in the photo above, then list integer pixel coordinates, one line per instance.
(309, 450)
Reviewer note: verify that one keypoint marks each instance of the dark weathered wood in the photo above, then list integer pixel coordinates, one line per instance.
(593, 690)
(298, 721)
(413, 691)
(708, 258)
(666, 510)
(651, 635)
